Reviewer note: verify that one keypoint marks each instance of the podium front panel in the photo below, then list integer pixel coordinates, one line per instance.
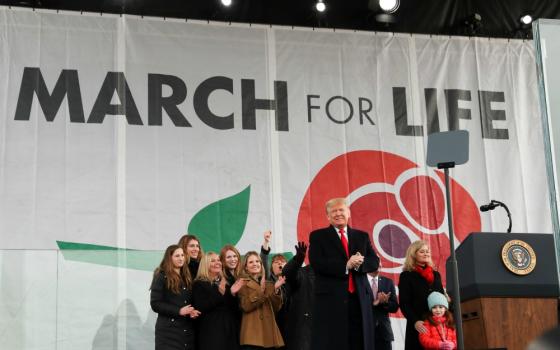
(482, 273)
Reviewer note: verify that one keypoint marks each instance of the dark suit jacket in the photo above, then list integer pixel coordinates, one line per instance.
(328, 260)
(381, 312)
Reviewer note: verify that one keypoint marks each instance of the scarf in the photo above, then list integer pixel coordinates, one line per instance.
(426, 272)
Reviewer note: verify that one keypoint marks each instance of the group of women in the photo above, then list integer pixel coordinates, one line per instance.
(214, 301)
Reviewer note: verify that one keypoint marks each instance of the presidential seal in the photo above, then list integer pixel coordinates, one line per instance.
(519, 257)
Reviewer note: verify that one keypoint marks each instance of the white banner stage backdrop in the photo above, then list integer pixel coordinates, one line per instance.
(123, 133)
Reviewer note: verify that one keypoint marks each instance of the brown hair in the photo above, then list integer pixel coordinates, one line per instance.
(410, 260)
(246, 259)
(174, 280)
(223, 252)
(184, 242)
(448, 322)
(278, 257)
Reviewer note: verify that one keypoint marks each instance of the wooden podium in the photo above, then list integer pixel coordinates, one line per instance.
(504, 306)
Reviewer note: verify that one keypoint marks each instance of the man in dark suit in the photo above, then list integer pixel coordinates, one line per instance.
(385, 301)
(339, 256)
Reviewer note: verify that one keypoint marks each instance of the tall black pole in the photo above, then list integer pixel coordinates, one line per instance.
(446, 150)
(452, 259)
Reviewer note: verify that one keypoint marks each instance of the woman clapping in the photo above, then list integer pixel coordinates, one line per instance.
(217, 326)
(259, 300)
(231, 263)
(170, 298)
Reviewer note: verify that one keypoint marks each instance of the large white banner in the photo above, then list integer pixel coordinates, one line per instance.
(122, 132)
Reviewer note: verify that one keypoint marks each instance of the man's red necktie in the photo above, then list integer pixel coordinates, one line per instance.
(345, 246)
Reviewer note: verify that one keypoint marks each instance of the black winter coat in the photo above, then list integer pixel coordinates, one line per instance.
(193, 268)
(300, 281)
(217, 324)
(234, 306)
(413, 300)
(330, 312)
(172, 330)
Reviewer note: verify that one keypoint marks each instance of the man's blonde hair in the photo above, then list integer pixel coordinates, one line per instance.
(410, 260)
(334, 201)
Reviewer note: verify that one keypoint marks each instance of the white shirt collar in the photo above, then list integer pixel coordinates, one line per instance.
(370, 278)
(345, 229)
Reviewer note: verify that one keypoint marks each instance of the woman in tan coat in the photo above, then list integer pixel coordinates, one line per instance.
(259, 301)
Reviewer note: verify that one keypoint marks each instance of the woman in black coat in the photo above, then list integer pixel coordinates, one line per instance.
(218, 327)
(416, 282)
(301, 282)
(170, 298)
(231, 270)
(231, 263)
(193, 252)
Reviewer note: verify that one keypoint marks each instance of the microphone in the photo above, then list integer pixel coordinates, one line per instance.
(490, 206)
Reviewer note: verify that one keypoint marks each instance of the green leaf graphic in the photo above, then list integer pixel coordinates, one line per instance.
(221, 222)
(215, 225)
(143, 260)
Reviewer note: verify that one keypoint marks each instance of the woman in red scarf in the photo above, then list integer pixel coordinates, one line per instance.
(416, 282)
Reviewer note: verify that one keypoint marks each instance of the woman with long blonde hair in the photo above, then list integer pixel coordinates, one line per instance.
(217, 325)
(416, 282)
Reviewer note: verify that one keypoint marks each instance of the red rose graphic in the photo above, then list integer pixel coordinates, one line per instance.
(395, 201)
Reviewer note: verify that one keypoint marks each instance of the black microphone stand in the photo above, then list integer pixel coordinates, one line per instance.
(452, 257)
(500, 204)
